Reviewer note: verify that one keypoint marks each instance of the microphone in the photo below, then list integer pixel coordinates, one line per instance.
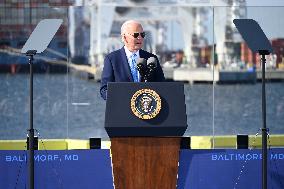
(151, 65)
(142, 68)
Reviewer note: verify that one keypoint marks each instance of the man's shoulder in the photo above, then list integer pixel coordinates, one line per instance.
(114, 53)
(146, 54)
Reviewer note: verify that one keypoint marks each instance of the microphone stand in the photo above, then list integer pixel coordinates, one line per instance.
(31, 54)
(143, 74)
(145, 78)
(149, 73)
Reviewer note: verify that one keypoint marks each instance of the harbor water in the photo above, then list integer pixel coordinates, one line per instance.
(67, 106)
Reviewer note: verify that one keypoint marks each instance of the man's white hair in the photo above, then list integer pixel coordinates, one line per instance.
(126, 24)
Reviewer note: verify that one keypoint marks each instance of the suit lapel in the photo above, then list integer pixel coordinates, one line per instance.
(142, 54)
(125, 64)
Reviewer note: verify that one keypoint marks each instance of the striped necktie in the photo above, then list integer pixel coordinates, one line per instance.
(133, 67)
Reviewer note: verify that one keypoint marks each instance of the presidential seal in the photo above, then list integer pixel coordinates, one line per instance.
(146, 104)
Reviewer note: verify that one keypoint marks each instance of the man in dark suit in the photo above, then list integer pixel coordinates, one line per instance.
(120, 65)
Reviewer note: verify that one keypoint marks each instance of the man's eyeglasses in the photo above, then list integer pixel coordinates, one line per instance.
(136, 34)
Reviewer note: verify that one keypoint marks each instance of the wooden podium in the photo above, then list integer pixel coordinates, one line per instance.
(145, 153)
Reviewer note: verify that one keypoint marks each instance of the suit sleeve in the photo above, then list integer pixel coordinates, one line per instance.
(159, 76)
(107, 76)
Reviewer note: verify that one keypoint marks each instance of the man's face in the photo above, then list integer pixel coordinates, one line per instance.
(131, 41)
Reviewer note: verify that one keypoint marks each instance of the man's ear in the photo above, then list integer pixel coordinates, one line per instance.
(123, 38)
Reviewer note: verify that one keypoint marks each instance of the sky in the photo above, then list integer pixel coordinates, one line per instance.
(265, 2)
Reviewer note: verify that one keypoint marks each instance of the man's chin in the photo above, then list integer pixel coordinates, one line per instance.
(137, 47)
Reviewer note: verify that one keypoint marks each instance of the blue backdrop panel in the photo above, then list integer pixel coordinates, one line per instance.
(198, 169)
(70, 169)
(236, 169)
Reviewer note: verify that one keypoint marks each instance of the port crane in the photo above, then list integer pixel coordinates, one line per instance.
(95, 25)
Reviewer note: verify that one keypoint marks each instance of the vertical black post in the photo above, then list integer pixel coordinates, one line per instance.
(264, 129)
(258, 42)
(37, 43)
(31, 130)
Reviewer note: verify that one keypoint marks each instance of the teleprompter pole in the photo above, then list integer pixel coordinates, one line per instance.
(31, 53)
(264, 129)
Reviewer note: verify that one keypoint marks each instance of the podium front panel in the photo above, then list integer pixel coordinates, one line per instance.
(121, 121)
